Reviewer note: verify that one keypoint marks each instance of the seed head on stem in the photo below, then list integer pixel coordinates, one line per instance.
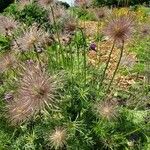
(36, 91)
(45, 3)
(32, 38)
(106, 109)
(58, 138)
(119, 28)
(7, 25)
(7, 62)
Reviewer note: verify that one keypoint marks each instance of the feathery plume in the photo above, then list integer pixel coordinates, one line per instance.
(33, 38)
(69, 23)
(58, 138)
(106, 109)
(83, 3)
(101, 13)
(38, 87)
(19, 111)
(57, 13)
(7, 25)
(45, 3)
(120, 28)
(36, 90)
(7, 62)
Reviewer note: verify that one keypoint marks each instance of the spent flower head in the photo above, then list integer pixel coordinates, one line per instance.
(58, 138)
(19, 111)
(7, 61)
(83, 3)
(32, 38)
(106, 109)
(38, 87)
(58, 13)
(45, 3)
(68, 24)
(101, 13)
(120, 28)
(7, 25)
(36, 90)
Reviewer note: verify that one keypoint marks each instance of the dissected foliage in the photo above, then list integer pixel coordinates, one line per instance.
(66, 86)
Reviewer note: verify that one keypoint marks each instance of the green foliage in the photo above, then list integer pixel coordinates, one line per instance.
(84, 14)
(119, 2)
(29, 14)
(4, 43)
(80, 92)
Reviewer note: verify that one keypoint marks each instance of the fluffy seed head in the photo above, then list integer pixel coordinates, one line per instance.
(19, 111)
(119, 28)
(69, 24)
(7, 25)
(106, 109)
(36, 90)
(58, 138)
(38, 87)
(100, 13)
(65, 39)
(45, 3)
(7, 62)
(83, 3)
(58, 12)
(32, 39)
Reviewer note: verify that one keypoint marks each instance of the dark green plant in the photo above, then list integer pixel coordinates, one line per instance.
(5, 4)
(119, 2)
(4, 43)
(29, 14)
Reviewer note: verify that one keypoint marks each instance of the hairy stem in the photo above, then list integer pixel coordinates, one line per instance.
(114, 74)
(109, 57)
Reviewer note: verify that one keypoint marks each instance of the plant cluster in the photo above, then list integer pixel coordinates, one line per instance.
(51, 94)
(120, 2)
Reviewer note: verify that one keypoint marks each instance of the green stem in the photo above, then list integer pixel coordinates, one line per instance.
(58, 36)
(78, 53)
(38, 58)
(71, 57)
(98, 53)
(84, 54)
(114, 74)
(109, 57)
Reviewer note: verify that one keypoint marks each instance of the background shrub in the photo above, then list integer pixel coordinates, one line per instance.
(30, 14)
(4, 4)
(120, 2)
